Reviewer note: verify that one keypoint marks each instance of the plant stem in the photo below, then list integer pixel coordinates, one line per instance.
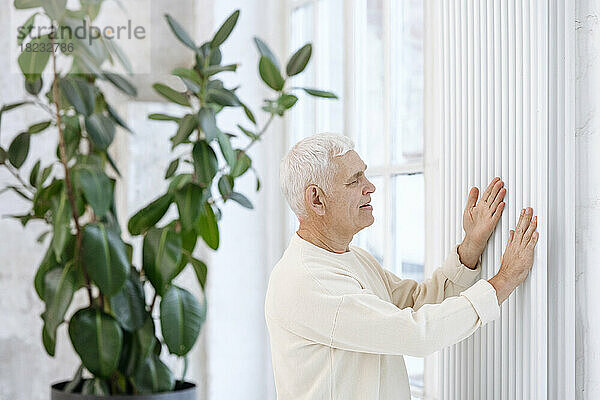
(63, 159)
(15, 173)
(153, 301)
(262, 131)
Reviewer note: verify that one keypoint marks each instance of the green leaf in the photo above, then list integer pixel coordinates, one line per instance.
(163, 117)
(145, 337)
(161, 255)
(190, 77)
(25, 29)
(97, 338)
(34, 173)
(270, 73)
(186, 126)
(114, 49)
(3, 155)
(23, 4)
(42, 237)
(207, 227)
(116, 118)
(189, 201)
(200, 270)
(265, 51)
(225, 185)
(223, 97)
(101, 130)
(55, 8)
(45, 174)
(121, 83)
(19, 149)
(298, 61)
(148, 216)
(33, 63)
(205, 163)
(287, 101)
(181, 318)
(61, 219)
(215, 69)
(153, 376)
(81, 94)
(208, 123)
(105, 257)
(226, 149)
(249, 114)
(49, 343)
(128, 305)
(179, 181)
(225, 30)
(243, 162)
(73, 383)
(320, 93)
(8, 107)
(95, 387)
(36, 128)
(59, 287)
(248, 133)
(91, 8)
(180, 33)
(241, 200)
(112, 165)
(96, 188)
(171, 94)
(34, 85)
(44, 197)
(172, 168)
(215, 54)
(137, 346)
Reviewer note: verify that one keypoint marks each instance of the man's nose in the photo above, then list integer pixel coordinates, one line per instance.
(369, 187)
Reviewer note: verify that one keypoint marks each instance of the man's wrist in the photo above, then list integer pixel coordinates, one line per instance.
(503, 287)
(468, 253)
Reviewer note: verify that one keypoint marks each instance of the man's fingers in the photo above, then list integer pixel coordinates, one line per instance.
(497, 186)
(534, 239)
(523, 223)
(532, 227)
(511, 236)
(498, 199)
(488, 190)
(498, 212)
(473, 194)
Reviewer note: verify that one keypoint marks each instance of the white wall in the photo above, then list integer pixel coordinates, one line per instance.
(238, 357)
(588, 199)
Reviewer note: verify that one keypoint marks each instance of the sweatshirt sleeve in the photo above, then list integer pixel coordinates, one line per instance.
(447, 281)
(334, 310)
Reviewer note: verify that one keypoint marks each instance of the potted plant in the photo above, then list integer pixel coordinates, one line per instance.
(115, 335)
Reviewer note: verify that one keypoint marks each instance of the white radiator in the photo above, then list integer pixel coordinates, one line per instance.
(506, 108)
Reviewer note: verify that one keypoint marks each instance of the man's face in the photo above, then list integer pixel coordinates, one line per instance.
(348, 203)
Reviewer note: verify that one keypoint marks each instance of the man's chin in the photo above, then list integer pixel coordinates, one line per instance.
(367, 222)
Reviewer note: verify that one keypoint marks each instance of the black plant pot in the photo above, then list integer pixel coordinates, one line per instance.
(183, 391)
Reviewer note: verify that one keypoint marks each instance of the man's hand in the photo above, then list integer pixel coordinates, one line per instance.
(480, 220)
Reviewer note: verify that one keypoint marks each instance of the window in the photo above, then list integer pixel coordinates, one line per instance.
(370, 53)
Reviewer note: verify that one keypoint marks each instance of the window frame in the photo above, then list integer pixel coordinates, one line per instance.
(351, 120)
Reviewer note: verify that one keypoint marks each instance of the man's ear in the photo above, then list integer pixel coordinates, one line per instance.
(315, 199)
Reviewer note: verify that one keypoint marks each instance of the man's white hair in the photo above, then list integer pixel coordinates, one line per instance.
(310, 162)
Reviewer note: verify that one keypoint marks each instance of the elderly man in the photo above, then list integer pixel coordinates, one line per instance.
(340, 324)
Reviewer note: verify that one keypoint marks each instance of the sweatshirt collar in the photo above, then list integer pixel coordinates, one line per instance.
(313, 248)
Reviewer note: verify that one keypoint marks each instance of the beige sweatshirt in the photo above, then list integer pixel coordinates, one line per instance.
(339, 324)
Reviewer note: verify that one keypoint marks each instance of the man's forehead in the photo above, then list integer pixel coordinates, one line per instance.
(350, 163)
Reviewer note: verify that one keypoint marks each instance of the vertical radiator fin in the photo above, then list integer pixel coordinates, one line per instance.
(506, 73)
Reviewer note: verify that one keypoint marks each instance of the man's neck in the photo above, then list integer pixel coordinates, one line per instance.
(329, 241)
